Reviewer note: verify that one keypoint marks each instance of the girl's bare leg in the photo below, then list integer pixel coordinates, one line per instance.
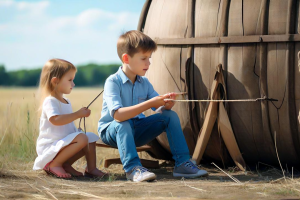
(79, 142)
(68, 164)
(90, 154)
(74, 158)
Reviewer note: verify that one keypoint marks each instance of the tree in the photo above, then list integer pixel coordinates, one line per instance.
(98, 78)
(4, 77)
(80, 79)
(87, 75)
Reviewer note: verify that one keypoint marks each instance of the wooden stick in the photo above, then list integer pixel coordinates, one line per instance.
(278, 157)
(180, 93)
(233, 178)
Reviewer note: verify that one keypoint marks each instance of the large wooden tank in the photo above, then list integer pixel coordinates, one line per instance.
(257, 43)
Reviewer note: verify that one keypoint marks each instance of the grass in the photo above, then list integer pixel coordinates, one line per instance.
(19, 125)
(19, 121)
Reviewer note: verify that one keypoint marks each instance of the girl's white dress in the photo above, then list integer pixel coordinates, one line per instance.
(53, 138)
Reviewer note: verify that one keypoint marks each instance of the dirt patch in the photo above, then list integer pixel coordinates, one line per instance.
(259, 185)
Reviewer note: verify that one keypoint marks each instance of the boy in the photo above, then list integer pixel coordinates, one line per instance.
(127, 94)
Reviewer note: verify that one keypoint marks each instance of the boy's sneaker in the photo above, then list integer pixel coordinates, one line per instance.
(139, 174)
(188, 170)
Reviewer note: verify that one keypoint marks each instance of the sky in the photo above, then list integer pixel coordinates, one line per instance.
(80, 31)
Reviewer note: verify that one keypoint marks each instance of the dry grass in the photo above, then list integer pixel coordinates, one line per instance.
(18, 133)
(19, 123)
(18, 126)
(37, 185)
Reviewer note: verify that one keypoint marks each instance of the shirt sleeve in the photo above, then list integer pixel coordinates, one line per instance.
(151, 92)
(51, 107)
(112, 96)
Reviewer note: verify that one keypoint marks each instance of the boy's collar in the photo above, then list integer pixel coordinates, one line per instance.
(125, 78)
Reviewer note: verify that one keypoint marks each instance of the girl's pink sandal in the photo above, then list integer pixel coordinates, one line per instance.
(48, 170)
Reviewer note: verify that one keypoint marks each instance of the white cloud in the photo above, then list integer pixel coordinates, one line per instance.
(33, 9)
(92, 16)
(28, 9)
(125, 19)
(6, 3)
(31, 6)
(32, 36)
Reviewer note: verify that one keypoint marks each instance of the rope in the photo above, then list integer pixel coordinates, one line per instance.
(88, 107)
(235, 100)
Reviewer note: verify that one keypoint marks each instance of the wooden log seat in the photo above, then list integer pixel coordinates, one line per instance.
(146, 163)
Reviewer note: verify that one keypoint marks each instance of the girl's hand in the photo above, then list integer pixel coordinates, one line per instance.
(84, 112)
(59, 120)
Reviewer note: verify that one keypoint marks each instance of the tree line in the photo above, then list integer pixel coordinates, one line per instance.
(87, 75)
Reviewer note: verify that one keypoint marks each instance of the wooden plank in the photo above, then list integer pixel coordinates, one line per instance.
(138, 149)
(207, 11)
(279, 82)
(291, 77)
(244, 117)
(229, 139)
(229, 39)
(190, 19)
(143, 15)
(208, 124)
(146, 163)
(224, 125)
(205, 132)
(266, 142)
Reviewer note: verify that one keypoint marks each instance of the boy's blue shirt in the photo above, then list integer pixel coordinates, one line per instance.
(120, 92)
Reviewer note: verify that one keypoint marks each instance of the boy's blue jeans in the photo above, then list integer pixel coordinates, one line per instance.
(134, 132)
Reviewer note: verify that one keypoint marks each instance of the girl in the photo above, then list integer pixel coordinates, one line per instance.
(59, 143)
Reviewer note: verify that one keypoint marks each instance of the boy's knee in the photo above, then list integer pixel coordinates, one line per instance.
(170, 113)
(123, 126)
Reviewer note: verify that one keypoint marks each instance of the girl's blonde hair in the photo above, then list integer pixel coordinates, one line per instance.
(53, 68)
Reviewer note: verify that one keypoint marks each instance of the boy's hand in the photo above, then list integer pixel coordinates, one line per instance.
(169, 104)
(84, 112)
(158, 101)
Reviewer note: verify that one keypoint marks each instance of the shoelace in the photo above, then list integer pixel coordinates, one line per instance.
(140, 169)
(191, 165)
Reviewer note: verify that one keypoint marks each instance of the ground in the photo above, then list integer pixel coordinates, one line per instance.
(254, 185)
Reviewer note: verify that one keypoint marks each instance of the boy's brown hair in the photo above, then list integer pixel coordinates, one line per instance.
(134, 41)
